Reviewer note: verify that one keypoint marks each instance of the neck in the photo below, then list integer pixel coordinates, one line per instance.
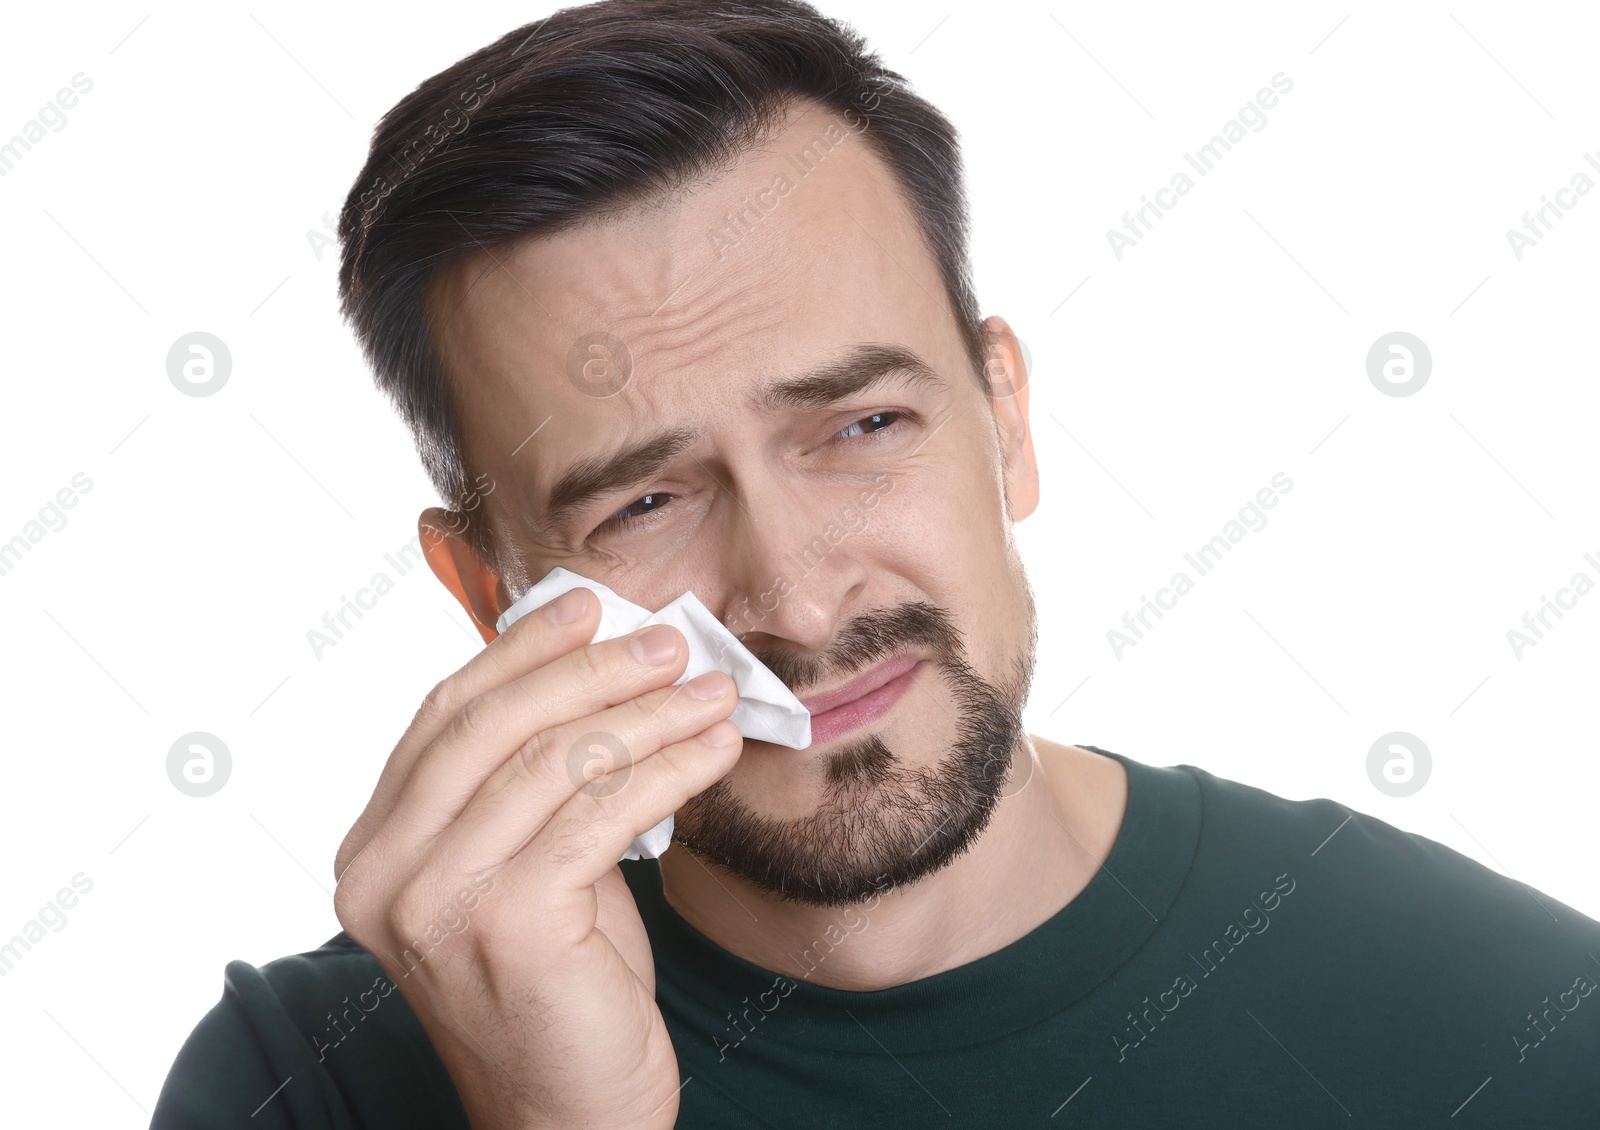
(1041, 847)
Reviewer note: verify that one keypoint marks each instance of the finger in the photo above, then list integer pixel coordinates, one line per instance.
(582, 682)
(586, 836)
(490, 728)
(552, 630)
(596, 754)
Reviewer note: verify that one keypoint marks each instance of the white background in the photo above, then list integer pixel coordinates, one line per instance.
(1229, 345)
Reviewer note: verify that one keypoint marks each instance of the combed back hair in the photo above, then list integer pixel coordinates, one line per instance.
(581, 116)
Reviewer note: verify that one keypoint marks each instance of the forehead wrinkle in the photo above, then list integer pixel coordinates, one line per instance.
(688, 346)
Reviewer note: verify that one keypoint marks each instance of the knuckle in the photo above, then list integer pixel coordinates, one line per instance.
(347, 854)
(410, 910)
(598, 763)
(346, 908)
(477, 719)
(533, 757)
(605, 803)
(574, 842)
(593, 667)
(352, 899)
(490, 920)
(667, 707)
(436, 704)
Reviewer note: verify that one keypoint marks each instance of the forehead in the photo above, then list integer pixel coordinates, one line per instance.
(803, 247)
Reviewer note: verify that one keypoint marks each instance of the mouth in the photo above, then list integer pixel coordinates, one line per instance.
(863, 700)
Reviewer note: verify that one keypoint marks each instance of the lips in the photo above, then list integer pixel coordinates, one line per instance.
(861, 685)
(862, 700)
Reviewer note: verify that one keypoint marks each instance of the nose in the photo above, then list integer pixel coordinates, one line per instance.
(791, 568)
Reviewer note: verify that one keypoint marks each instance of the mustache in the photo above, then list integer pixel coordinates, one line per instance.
(866, 639)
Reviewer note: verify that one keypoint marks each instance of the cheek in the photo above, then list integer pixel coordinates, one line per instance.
(908, 532)
(945, 499)
(940, 536)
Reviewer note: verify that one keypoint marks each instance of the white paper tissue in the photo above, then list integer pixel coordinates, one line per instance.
(767, 710)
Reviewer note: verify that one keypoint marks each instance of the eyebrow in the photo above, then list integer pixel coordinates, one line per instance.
(864, 367)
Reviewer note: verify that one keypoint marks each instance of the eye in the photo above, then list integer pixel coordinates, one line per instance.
(876, 422)
(642, 512)
(633, 512)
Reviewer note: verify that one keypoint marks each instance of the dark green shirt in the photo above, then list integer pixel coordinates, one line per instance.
(1239, 960)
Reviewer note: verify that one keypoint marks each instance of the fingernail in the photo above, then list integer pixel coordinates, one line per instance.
(655, 645)
(567, 607)
(724, 733)
(710, 685)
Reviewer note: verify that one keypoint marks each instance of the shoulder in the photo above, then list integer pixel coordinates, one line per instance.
(306, 984)
(1385, 891)
(316, 1039)
(1408, 976)
(1366, 878)
(1348, 844)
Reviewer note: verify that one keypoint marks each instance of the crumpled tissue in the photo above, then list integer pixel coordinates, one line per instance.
(767, 711)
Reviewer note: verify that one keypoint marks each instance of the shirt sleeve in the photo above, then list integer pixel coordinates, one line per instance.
(322, 1040)
(247, 1064)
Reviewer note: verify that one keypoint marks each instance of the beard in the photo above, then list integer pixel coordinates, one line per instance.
(882, 822)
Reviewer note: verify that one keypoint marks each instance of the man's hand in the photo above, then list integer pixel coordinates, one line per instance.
(540, 998)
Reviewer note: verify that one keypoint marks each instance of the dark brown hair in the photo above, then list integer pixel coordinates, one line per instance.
(581, 115)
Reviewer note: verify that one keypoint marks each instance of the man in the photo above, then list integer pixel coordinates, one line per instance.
(674, 295)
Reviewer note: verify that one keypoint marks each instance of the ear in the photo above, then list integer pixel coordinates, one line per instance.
(1008, 397)
(470, 581)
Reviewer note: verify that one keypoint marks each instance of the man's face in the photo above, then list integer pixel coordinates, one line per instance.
(795, 435)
